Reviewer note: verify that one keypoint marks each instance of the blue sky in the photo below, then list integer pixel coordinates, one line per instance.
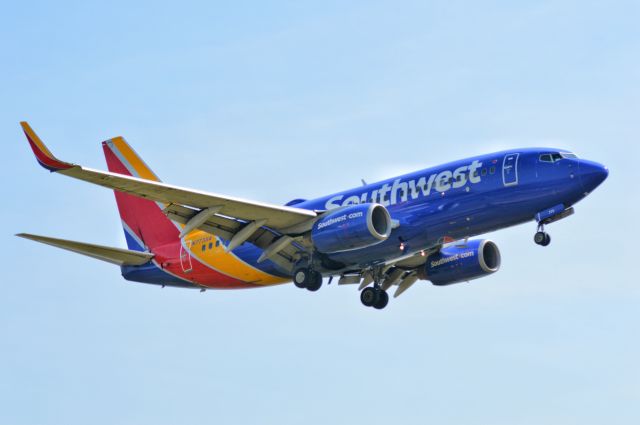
(279, 100)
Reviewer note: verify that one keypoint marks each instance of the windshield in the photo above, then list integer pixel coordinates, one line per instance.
(556, 156)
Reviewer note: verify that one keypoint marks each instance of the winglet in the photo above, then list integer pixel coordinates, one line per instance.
(42, 153)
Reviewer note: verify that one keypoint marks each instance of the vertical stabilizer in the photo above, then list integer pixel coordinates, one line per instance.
(145, 225)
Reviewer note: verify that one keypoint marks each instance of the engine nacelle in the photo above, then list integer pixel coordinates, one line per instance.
(463, 262)
(351, 227)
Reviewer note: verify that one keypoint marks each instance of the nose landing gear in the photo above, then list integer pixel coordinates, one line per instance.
(541, 237)
(548, 216)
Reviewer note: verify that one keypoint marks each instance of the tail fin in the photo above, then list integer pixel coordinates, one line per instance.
(145, 225)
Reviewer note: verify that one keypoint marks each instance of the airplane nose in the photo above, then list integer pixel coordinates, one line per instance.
(592, 174)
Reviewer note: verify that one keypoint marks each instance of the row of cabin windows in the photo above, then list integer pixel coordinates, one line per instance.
(483, 172)
(204, 245)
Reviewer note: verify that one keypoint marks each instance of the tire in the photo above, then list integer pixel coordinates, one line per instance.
(547, 240)
(315, 281)
(383, 300)
(301, 277)
(369, 296)
(539, 238)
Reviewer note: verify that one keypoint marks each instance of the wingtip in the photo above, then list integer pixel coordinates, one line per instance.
(43, 154)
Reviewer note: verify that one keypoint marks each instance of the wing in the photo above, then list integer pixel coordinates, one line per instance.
(281, 218)
(119, 256)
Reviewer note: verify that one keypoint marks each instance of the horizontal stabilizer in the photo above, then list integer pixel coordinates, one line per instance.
(119, 256)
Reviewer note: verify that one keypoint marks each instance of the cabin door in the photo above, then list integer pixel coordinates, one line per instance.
(510, 169)
(185, 256)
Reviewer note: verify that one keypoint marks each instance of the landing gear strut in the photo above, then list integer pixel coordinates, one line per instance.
(541, 237)
(374, 296)
(307, 277)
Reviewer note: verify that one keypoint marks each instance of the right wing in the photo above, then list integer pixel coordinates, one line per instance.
(277, 217)
(119, 256)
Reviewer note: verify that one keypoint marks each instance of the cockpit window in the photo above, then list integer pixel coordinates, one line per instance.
(556, 156)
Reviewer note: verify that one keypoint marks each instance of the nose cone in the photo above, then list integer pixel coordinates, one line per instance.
(592, 174)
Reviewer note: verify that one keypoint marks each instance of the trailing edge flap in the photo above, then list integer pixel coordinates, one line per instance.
(119, 256)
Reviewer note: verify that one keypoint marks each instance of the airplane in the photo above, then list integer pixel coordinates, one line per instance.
(417, 226)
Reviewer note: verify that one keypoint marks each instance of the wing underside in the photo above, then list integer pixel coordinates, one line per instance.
(275, 216)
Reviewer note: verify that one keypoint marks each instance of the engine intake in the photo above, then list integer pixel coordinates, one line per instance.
(351, 227)
(460, 263)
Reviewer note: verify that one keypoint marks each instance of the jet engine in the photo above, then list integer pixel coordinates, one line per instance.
(462, 262)
(351, 227)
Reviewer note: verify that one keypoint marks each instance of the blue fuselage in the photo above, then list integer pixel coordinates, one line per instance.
(466, 198)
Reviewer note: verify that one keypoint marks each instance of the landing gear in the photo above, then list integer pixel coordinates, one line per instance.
(316, 281)
(306, 277)
(374, 296)
(369, 296)
(383, 300)
(541, 237)
(301, 277)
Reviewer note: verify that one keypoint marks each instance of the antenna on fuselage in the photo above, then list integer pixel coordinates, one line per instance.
(364, 183)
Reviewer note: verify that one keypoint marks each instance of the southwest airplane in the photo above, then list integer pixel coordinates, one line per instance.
(390, 233)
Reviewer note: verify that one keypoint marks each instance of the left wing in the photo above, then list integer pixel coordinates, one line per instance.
(281, 218)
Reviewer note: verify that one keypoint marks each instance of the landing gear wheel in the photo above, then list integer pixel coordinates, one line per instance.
(383, 300)
(547, 239)
(315, 281)
(302, 277)
(542, 238)
(369, 296)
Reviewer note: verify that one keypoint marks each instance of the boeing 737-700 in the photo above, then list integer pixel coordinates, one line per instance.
(395, 232)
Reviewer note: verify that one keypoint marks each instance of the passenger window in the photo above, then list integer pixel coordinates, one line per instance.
(217, 242)
(210, 245)
(484, 172)
(203, 247)
(475, 173)
(546, 158)
(492, 170)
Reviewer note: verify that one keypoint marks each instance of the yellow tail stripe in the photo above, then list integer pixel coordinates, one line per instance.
(132, 157)
(227, 263)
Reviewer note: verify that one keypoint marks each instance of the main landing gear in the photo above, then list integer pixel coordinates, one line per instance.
(307, 277)
(541, 237)
(374, 296)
